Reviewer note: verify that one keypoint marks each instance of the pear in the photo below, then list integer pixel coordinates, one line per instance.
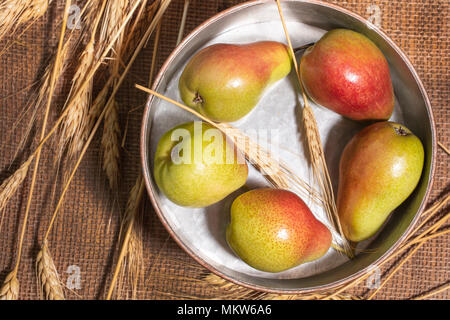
(273, 230)
(347, 73)
(379, 168)
(225, 81)
(196, 166)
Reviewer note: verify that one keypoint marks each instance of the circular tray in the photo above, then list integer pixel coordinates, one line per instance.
(276, 121)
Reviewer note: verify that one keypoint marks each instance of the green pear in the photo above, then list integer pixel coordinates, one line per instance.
(273, 230)
(379, 168)
(196, 166)
(225, 81)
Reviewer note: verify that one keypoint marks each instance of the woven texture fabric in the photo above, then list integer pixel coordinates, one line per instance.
(85, 234)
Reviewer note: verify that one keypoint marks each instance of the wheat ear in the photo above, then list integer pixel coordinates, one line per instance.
(11, 281)
(12, 182)
(111, 144)
(128, 228)
(10, 185)
(16, 12)
(276, 172)
(48, 278)
(319, 166)
(74, 123)
(10, 287)
(114, 16)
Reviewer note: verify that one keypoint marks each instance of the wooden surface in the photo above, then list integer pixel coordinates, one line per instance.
(85, 235)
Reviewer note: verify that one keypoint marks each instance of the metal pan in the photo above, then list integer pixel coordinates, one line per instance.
(201, 232)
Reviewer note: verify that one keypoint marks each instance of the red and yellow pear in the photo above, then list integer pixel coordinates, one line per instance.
(226, 81)
(379, 168)
(273, 230)
(347, 73)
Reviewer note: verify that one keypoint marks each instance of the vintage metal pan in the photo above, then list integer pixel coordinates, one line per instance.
(201, 232)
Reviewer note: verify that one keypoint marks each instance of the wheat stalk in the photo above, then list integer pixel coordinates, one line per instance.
(48, 278)
(277, 173)
(319, 166)
(440, 289)
(10, 287)
(16, 12)
(234, 291)
(183, 22)
(147, 34)
(114, 16)
(11, 184)
(11, 281)
(73, 127)
(132, 268)
(444, 148)
(133, 204)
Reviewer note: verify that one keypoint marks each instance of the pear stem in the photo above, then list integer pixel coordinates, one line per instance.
(304, 47)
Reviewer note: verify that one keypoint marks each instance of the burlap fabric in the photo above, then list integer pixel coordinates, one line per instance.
(85, 235)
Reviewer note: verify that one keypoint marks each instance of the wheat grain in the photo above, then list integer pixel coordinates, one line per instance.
(16, 12)
(276, 172)
(48, 278)
(10, 287)
(10, 185)
(53, 78)
(111, 144)
(73, 127)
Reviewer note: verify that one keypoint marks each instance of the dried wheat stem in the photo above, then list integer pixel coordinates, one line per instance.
(12, 181)
(423, 240)
(234, 291)
(72, 174)
(101, 116)
(48, 276)
(276, 172)
(183, 22)
(130, 215)
(320, 170)
(33, 181)
(394, 271)
(115, 13)
(132, 265)
(75, 121)
(10, 287)
(16, 12)
(444, 148)
(155, 52)
(442, 288)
